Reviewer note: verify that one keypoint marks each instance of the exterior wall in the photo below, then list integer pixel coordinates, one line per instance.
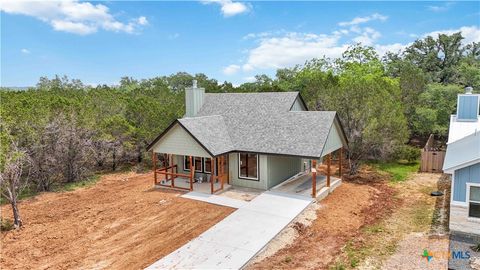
(177, 141)
(334, 139)
(461, 177)
(298, 106)
(460, 222)
(280, 168)
(262, 171)
(467, 107)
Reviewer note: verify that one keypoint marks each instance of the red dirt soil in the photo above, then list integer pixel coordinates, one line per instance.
(358, 202)
(120, 223)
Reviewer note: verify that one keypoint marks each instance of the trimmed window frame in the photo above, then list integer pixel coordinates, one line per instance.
(239, 167)
(468, 201)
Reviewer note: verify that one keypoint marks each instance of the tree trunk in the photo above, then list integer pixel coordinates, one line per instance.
(114, 162)
(17, 221)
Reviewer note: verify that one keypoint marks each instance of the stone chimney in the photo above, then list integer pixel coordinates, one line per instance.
(194, 98)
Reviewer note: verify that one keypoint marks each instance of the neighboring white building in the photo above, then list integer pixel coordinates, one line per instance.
(462, 161)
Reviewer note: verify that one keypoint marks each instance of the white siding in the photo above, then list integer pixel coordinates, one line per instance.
(179, 142)
(263, 173)
(334, 139)
(298, 105)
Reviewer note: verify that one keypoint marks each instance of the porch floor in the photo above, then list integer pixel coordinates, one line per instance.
(302, 185)
(204, 187)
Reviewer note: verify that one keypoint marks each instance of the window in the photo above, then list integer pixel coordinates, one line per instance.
(207, 165)
(186, 163)
(198, 164)
(201, 164)
(248, 166)
(474, 202)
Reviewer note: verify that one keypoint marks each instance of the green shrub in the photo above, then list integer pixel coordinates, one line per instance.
(5, 224)
(407, 153)
(476, 248)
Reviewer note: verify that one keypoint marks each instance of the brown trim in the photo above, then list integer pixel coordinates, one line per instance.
(329, 161)
(192, 173)
(314, 178)
(154, 165)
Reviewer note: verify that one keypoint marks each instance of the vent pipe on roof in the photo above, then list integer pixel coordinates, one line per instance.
(194, 98)
(468, 90)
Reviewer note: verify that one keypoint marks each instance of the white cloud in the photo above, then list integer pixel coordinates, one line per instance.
(292, 49)
(229, 8)
(368, 36)
(289, 49)
(470, 33)
(440, 8)
(360, 20)
(72, 16)
(231, 69)
(25, 51)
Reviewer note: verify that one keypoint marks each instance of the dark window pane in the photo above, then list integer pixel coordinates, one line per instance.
(207, 166)
(186, 162)
(198, 164)
(252, 166)
(243, 165)
(474, 210)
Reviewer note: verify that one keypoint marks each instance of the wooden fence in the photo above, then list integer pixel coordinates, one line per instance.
(432, 161)
(431, 158)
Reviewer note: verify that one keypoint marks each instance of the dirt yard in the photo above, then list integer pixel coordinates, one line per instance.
(340, 217)
(119, 223)
(367, 223)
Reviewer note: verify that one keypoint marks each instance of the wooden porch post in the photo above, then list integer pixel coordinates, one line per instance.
(173, 177)
(340, 163)
(154, 161)
(314, 178)
(329, 161)
(222, 167)
(212, 173)
(192, 172)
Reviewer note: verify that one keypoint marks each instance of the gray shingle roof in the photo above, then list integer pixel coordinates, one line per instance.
(260, 123)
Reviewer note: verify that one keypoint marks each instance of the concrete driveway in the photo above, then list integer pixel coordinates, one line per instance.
(231, 243)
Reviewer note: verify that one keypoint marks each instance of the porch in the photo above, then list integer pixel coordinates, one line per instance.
(211, 181)
(183, 183)
(302, 184)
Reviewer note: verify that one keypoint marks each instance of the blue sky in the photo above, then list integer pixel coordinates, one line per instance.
(99, 42)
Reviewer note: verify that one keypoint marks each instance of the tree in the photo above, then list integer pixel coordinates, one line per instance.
(13, 178)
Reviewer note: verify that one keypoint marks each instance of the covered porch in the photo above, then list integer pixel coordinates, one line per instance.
(320, 180)
(167, 174)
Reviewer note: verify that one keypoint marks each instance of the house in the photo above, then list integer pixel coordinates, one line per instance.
(462, 161)
(253, 140)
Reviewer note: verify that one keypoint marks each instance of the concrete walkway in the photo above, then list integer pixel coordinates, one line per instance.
(215, 199)
(232, 242)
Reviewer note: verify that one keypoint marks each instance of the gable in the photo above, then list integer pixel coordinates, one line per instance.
(298, 105)
(179, 142)
(334, 139)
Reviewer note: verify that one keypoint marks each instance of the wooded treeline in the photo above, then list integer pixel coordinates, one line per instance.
(63, 130)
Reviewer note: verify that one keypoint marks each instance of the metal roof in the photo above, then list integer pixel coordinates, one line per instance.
(463, 152)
